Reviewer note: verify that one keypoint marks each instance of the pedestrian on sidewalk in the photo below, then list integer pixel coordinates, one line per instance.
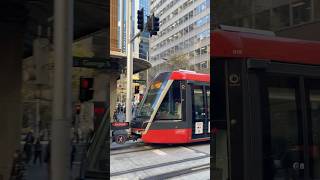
(48, 153)
(73, 154)
(29, 139)
(37, 152)
(48, 158)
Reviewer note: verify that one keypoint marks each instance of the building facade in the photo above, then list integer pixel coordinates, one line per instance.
(184, 31)
(288, 18)
(141, 44)
(113, 25)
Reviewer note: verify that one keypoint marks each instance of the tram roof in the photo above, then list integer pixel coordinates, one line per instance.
(250, 45)
(189, 75)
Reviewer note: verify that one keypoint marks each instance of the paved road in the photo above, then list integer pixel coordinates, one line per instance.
(149, 162)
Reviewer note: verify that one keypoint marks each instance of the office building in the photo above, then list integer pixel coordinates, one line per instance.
(184, 31)
(141, 44)
(287, 18)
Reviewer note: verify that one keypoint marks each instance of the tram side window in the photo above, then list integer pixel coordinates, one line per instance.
(170, 108)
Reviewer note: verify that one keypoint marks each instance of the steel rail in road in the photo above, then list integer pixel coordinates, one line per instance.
(180, 172)
(158, 165)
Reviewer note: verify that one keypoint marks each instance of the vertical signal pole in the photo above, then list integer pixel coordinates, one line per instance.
(129, 63)
(62, 105)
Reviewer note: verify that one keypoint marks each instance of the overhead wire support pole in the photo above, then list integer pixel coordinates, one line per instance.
(62, 102)
(129, 63)
(130, 42)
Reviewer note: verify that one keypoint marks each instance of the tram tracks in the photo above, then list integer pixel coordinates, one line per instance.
(158, 165)
(176, 167)
(133, 151)
(180, 172)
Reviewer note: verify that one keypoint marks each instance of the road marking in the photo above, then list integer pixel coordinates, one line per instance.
(159, 152)
(188, 149)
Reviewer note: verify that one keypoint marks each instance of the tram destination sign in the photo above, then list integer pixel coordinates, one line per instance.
(96, 63)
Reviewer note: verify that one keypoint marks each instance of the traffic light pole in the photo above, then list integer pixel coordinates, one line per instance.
(130, 42)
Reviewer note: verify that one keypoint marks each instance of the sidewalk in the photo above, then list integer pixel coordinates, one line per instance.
(40, 172)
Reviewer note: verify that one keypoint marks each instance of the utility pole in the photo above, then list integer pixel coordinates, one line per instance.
(147, 79)
(129, 63)
(121, 39)
(62, 102)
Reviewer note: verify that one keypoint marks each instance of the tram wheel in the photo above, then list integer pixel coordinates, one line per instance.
(120, 139)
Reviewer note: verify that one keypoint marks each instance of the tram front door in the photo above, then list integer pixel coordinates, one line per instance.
(200, 109)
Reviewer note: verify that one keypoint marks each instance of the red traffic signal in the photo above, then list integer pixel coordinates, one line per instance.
(84, 83)
(86, 89)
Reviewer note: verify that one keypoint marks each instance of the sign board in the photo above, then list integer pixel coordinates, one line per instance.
(140, 81)
(119, 125)
(199, 128)
(91, 63)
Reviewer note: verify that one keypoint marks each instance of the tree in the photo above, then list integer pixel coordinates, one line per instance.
(179, 61)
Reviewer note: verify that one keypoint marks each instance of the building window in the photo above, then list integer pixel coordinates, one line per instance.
(301, 12)
(262, 20)
(204, 50)
(204, 65)
(281, 17)
(197, 52)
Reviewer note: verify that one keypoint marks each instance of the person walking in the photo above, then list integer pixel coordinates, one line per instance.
(47, 158)
(73, 154)
(29, 139)
(37, 152)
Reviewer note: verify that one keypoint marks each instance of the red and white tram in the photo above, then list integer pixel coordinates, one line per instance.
(175, 109)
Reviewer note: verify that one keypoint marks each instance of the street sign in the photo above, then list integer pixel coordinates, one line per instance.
(119, 125)
(91, 63)
(139, 81)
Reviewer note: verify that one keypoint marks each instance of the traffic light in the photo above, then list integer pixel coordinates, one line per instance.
(140, 19)
(154, 25)
(86, 89)
(136, 90)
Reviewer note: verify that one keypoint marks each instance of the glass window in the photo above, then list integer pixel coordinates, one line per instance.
(148, 104)
(283, 149)
(197, 52)
(316, 5)
(191, 54)
(198, 102)
(170, 108)
(204, 50)
(281, 17)
(301, 12)
(262, 20)
(204, 65)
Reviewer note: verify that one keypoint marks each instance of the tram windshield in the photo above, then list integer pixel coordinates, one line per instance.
(153, 94)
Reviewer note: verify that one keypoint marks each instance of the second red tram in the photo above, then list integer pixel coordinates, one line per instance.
(175, 109)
